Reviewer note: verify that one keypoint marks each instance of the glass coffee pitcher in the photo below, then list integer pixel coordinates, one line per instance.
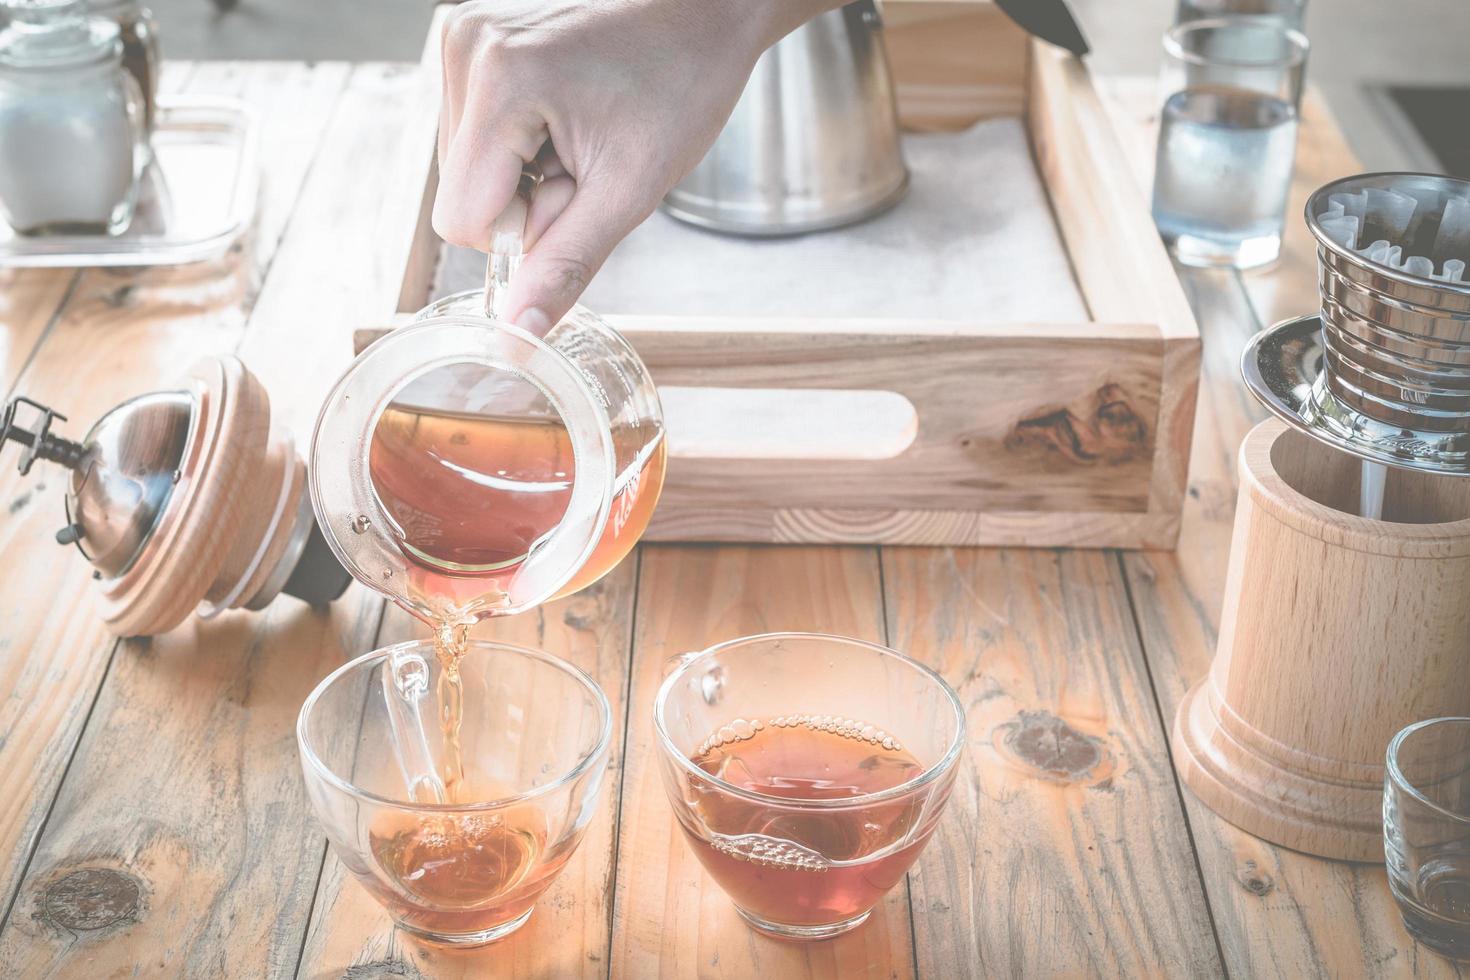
(465, 468)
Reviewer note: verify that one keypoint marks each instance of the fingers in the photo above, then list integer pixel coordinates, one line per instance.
(477, 179)
(479, 166)
(566, 255)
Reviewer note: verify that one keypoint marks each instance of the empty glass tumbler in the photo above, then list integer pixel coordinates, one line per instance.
(1230, 89)
(456, 831)
(1426, 831)
(807, 772)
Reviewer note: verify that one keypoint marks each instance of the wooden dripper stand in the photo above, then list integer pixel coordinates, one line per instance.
(1347, 603)
(185, 500)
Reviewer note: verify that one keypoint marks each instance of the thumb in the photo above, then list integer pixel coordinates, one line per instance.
(564, 259)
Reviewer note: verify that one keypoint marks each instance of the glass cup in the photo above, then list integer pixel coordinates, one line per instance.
(807, 772)
(1231, 88)
(1426, 832)
(1289, 13)
(456, 833)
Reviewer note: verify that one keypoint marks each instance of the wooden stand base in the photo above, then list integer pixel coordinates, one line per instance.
(1337, 631)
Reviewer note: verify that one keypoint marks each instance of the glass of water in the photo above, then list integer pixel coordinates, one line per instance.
(1426, 832)
(1290, 13)
(1227, 139)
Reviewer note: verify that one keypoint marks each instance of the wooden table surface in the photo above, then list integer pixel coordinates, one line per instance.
(153, 821)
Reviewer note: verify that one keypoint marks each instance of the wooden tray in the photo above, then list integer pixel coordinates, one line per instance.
(1034, 434)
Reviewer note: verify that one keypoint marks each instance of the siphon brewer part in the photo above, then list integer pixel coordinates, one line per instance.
(158, 478)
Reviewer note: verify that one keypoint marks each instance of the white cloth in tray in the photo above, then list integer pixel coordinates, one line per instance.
(974, 240)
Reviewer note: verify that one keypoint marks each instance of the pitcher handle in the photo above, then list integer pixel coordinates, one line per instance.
(507, 242)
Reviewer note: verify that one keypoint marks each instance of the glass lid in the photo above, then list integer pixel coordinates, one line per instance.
(55, 34)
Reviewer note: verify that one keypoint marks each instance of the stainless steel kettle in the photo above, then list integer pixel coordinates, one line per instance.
(812, 143)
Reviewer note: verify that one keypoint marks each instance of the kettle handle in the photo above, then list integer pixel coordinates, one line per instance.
(507, 241)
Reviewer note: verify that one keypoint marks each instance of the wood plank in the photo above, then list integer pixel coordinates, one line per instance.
(670, 919)
(835, 525)
(30, 301)
(119, 334)
(1065, 850)
(569, 933)
(1091, 187)
(236, 820)
(1066, 425)
(262, 654)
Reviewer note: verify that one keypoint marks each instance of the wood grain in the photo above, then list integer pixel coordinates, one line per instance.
(186, 792)
(1065, 850)
(1058, 432)
(835, 525)
(29, 302)
(1092, 189)
(953, 64)
(118, 334)
(180, 843)
(669, 918)
(1286, 736)
(569, 933)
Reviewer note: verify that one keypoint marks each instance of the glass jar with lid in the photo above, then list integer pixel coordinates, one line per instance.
(72, 142)
(466, 468)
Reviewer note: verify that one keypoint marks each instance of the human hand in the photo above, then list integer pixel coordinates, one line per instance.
(616, 100)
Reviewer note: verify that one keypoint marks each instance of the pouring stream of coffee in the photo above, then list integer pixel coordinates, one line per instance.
(407, 677)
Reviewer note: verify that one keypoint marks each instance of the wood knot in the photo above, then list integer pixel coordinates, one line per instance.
(91, 898)
(1046, 744)
(1105, 429)
(1254, 880)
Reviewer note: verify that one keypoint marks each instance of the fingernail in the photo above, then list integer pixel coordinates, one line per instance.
(534, 321)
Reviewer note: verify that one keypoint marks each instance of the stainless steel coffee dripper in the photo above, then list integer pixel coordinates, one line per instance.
(1383, 372)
